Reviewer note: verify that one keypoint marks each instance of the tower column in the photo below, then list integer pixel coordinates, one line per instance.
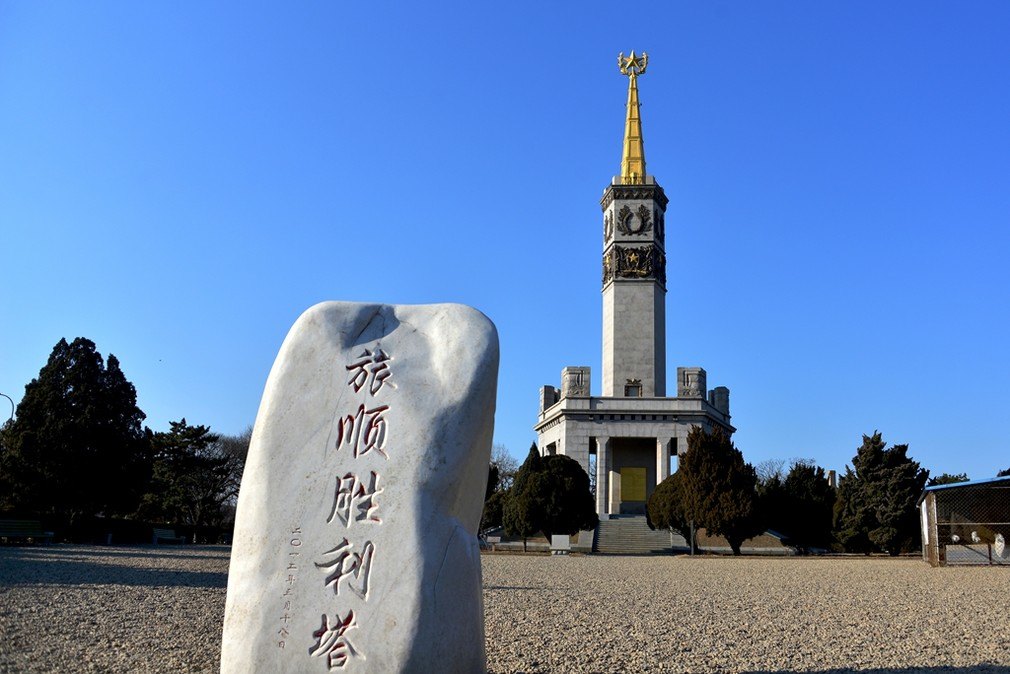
(603, 462)
(634, 264)
(662, 459)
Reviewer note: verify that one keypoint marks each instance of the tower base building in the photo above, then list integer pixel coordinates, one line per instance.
(629, 438)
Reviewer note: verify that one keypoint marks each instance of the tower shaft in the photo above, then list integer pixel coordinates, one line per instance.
(634, 264)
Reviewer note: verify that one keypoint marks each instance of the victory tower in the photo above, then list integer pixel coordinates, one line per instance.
(627, 436)
(634, 264)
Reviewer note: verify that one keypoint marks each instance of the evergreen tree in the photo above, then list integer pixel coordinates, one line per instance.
(895, 496)
(875, 509)
(773, 502)
(492, 481)
(667, 509)
(522, 513)
(719, 487)
(190, 477)
(810, 502)
(947, 478)
(566, 503)
(491, 514)
(854, 514)
(76, 447)
(1003, 473)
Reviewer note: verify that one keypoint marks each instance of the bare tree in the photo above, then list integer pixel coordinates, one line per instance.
(233, 449)
(771, 470)
(506, 463)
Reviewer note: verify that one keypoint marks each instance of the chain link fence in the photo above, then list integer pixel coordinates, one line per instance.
(967, 524)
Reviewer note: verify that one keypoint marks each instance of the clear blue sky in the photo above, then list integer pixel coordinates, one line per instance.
(179, 181)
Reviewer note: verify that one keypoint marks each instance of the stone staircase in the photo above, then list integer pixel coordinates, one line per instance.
(630, 535)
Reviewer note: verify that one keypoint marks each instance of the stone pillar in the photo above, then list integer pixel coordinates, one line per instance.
(614, 495)
(602, 470)
(662, 459)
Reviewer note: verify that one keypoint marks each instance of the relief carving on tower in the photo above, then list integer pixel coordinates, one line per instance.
(660, 226)
(659, 265)
(608, 226)
(634, 262)
(575, 382)
(645, 217)
(691, 382)
(628, 225)
(608, 267)
(624, 217)
(634, 192)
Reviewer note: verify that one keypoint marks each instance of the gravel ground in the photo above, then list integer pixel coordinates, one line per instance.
(702, 614)
(74, 609)
(69, 608)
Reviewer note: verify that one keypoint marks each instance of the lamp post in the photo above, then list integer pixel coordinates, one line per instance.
(12, 405)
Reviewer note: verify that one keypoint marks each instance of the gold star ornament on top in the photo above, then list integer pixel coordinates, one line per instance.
(632, 66)
(633, 157)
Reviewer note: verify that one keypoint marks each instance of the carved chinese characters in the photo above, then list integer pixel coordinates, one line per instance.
(355, 539)
(349, 564)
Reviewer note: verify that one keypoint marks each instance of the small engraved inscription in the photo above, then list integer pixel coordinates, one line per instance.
(294, 543)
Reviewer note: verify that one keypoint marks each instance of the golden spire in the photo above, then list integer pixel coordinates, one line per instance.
(633, 159)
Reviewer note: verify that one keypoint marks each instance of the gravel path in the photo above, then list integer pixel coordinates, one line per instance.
(89, 609)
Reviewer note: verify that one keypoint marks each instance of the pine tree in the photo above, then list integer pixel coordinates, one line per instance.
(854, 515)
(77, 447)
(773, 502)
(567, 505)
(895, 496)
(810, 502)
(947, 478)
(522, 514)
(190, 477)
(875, 509)
(492, 512)
(667, 509)
(718, 487)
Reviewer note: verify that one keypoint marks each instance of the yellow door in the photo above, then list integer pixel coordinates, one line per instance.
(632, 483)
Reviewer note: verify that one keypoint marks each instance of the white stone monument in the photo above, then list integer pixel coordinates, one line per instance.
(355, 543)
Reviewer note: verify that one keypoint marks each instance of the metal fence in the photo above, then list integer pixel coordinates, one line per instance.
(967, 523)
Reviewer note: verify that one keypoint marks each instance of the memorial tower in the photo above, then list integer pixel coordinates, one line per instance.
(634, 264)
(627, 435)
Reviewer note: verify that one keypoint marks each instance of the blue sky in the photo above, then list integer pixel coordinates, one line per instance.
(179, 181)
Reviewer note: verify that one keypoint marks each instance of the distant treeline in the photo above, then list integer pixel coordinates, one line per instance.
(78, 457)
(873, 508)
